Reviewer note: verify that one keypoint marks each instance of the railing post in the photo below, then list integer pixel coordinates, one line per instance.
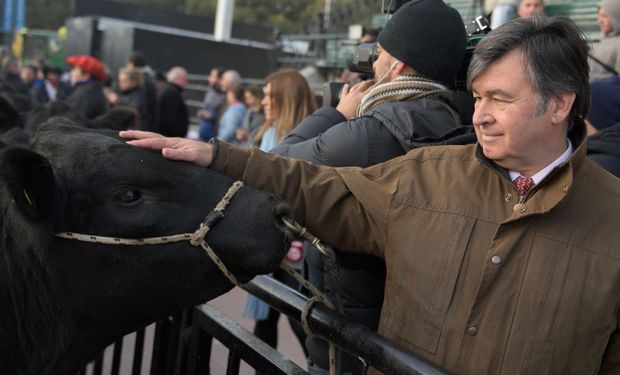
(137, 352)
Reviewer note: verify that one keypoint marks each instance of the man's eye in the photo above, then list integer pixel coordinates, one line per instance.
(129, 196)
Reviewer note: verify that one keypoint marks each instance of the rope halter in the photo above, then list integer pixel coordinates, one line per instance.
(197, 238)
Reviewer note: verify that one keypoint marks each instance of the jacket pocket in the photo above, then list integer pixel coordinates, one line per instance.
(558, 356)
(572, 307)
(419, 301)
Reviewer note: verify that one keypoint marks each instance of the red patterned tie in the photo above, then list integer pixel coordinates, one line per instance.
(524, 184)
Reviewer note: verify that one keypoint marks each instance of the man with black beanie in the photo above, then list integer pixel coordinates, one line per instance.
(408, 105)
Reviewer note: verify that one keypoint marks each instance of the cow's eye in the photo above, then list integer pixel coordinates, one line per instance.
(129, 196)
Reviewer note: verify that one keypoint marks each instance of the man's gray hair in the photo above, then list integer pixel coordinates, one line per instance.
(555, 58)
(175, 73)
(232, 75)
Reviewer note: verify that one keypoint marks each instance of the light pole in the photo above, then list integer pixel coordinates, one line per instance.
(223, 19)
(328, 15)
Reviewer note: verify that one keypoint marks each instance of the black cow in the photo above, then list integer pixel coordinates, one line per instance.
(62, 301)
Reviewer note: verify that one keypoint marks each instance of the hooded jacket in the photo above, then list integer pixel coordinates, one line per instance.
(608, 49)
(479, 280)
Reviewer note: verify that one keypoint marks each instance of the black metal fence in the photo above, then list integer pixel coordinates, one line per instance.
(181, 344)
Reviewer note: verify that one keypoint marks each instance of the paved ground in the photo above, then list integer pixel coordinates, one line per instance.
(231, 304)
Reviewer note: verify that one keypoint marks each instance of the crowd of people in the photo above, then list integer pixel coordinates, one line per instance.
(87, 93)
(471, 229)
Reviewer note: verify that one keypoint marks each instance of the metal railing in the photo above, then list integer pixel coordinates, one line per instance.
(182, 343)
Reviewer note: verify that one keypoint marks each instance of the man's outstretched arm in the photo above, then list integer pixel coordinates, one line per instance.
(343, 207)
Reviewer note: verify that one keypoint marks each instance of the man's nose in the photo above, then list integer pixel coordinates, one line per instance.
(481, 116)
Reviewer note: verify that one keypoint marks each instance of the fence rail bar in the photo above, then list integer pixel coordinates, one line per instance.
(199, 352)
(138, 351)
(355, 338)
(116, 357)
(160, 346)
(245, 345)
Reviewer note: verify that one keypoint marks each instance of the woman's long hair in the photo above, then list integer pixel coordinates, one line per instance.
(292, 101)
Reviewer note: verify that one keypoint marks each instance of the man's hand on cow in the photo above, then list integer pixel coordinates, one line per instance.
(193, 151)
(350, 98)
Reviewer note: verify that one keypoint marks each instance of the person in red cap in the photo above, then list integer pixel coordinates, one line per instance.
(87, 97)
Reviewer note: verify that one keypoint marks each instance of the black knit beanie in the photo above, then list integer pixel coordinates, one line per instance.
(429, 36)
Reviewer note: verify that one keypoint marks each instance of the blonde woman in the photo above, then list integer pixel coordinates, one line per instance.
(287, 101)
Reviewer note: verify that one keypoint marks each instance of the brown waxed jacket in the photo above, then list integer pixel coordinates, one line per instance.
(476, 282)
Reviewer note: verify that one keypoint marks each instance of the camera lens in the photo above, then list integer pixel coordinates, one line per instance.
(365, 55)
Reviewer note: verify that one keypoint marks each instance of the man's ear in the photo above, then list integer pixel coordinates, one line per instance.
(399, 67)
(560, 106)
(29, 180)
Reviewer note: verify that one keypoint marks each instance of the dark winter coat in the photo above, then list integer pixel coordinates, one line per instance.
(39, 94)
(16, 83)
(172, 118)
(136, 98)
(604, 148)
(150, 92)
(88, 99)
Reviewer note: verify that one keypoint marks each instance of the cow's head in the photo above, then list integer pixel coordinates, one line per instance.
(89, 181)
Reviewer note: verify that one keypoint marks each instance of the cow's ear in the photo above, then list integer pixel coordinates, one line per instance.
(29, 179)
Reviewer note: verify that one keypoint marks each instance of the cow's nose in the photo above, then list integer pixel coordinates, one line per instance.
(283, 209)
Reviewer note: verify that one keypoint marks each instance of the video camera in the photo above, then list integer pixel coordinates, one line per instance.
(366, 54)
(476, 31)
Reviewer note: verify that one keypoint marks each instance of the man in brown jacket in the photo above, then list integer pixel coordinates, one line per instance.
(484, 276)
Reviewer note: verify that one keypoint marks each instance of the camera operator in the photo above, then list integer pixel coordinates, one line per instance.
(409, 105)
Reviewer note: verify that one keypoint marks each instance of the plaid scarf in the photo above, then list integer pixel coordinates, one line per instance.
(404, 87)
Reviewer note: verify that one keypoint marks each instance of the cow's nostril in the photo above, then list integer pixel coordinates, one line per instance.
(282, 209)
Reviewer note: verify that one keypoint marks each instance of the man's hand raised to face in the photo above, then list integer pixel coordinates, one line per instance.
(350, 98)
